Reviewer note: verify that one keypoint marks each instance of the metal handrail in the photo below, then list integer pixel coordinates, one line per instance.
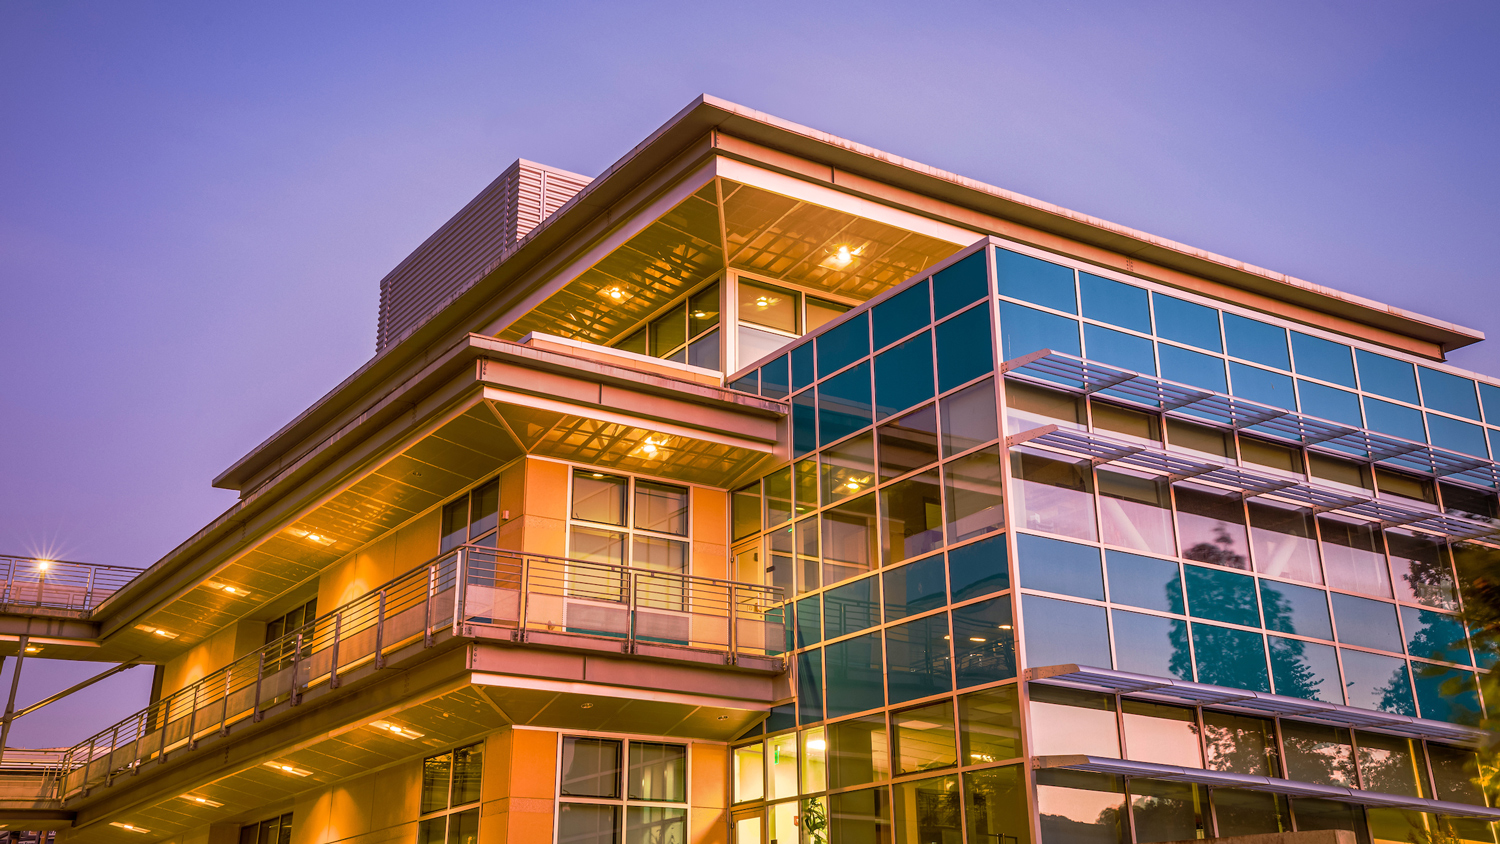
(467, 591)
(59, 584)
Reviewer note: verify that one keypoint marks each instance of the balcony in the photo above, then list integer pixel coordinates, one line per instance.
(55, 587)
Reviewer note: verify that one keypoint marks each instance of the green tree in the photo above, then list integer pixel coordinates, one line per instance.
(1478, 569)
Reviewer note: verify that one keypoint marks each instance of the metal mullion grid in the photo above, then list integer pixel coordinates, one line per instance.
(623, 801)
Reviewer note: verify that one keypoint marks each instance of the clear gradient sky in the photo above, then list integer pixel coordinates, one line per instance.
(197, 201)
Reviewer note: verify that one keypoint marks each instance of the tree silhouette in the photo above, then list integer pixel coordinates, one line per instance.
(1294, 677)
(1479, 584)
(1220, 552)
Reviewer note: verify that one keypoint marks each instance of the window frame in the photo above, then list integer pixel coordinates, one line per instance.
(629, 530)
(623, 802)
(451, 810)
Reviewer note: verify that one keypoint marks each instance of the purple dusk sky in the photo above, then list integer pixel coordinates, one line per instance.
(197, 201)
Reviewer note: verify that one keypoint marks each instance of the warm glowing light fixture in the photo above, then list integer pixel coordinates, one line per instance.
(128, 827)
(615, 294)
(842, 256)
(43, 565)
(397, 730)
(201, 801)
(764, 302)
(651, 448)
(288, 769)
(156, 631)
(311, 536)
(228, 589)
(817, 744)
(33, 649)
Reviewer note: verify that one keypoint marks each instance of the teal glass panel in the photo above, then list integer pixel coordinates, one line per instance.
(809, 622)
(964, 348)
(1372, 681)
(1322, 359)
(1067, 568)
(984, 642)
(782, 717)
(1221, 595)
(1152, 645)
(903, 376)
(804, 422)
(1187, 322)
(1330, 403)
(1025, 330)
(843, 344)
(960, 285)
(1393, 419)
(1449, 393)
(1296, 609)
(856, 675)
(900, 315)
(844, 404)
(1229, 657)
(1262, 385)
(1034, 280)
(1383, 376)
(809, 686)
(747, 383)
(1116, 348)
(1306, 670)
(1456, 436)
(1115, 302)
(803, 371)
(1144, 582)
(1490, 396)
(775, 378)
(1446, 694)
(979, 568)
(1257, 341)
(1367, 623)
(851, 608)
(917, 658)
(1059, 632)
(1433, 635)
(1192, 368)
(914, 588)
(1494, 437)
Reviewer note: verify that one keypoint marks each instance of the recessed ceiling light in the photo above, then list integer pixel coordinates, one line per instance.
(128, 827)
(614, 293)
(396, 730)
(586, 706)
(288, 769)
(201, 801)
(33, 649)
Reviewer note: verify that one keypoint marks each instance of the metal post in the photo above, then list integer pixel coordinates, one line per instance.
(460, 578)
(193, 720)
(109, 761)
(521, 602)
(10, 706)
(294, 697)
(10, 577)
(630, 587)
(166, 718)
(427, 607)
(88, 592)
(734, 621)
(228, 685)
(88, 762)
(135, 746)
(380, 633)
(260, 675)
(333, 664)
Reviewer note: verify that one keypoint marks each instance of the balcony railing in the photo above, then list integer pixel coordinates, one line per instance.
(29, 777)
(59, 585)
(496, 594)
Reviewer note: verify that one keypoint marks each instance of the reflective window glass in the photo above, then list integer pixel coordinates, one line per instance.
(909, 442)
(843, 344)
(436, 773)
(636, 342)
(1063, 567)
(1256, 341)
(1135, 511)
(1168, 811)
(1025, 330)
(590, 767)
(1448, 392)
(1201, 438)
(911, 521)
(1221, 595)
(778, 499)
(1211, 525)
(1330, 403)
(754, 344)
(914, 588)
(1115, 302)
(900, 315)
(917, 658)
(1240, 744)
(1369, 624)
(1262, 385)
(1386, 418)
(809, 621)
(1053, 495)
(814, 760)
(1059, 632)
(1028, 406)
(1187, 322)
(1322, 359)
(844, 404)
(1372, 681)
(653, 823)
(960, 284)
(856, 675)
(972, 487)
(850, 539)
(809, 691)
(1144, 582)
(803, 371)
(925, 739)
(703, 310)
(703, 353)
(1229, 657)
(1420, 569)
(805, 485)
(1433, 635)
(989, 725)
(857, 751)
(1318, 753)
(979, 568)
(1456, 436)
(1383, 376)
(1192, 368)
(596, 546)
(669, 331)
(820, 312)
(851, 608)
(1116, 348)
(969, 418)
(903, 375)
(1151, 645)
(781, 761)
(1311, 814)
(749, 772)
(1238, 812)
(804, 422)
(1066, 722)
(599, 498)
(928, 810)
(1353, 556)
(1081, 806)
(984, 642)
(1296, 609)
(1034, 280)
(863, 815)
(1306, 670)
(996, 800)
(1489, 396)
(661, 507)
(588, 823)
(1132, 423)
(806, 544)
(744, 509)
(1446, 694)
(658, 772)
(1455, 774)
(771, 307)
(849, 468)
(1389, 764)
(964, 348)
(1282, 542)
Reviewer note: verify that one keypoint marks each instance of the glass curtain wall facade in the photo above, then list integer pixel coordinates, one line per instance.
(939, 542)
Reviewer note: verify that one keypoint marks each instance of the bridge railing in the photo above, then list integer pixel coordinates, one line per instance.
(59, 584)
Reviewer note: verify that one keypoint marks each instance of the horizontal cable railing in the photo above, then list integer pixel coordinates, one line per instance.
(31, 776)
(465, 591)
(58, 584)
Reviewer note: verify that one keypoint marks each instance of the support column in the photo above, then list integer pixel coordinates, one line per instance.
(10, 705)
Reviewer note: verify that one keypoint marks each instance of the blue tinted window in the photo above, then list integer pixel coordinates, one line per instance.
(1144, 582)
(903, 376)
(917, 658)
(1229, 657)
(1221, 595)
(1152, 645)
(979, 568)
(1295, 609)
(1059, 632)
(1117, 348)
(1446, 694)
(1449, 393)
(964, 348)
(901, 314)
(1305, 670)
(1330, 403)
(804, 423)
(749, 383)
(1490, 394)
(915, 588)
(1034, 280)
(1367, 623)
(782, 717)
(850, 608)
(959, 285)
(1433, 635)
(1383, 376)
(809, 622)
(802, 366)
(984, 643)
(843, 344)
(1114, 302)
(1025, 330)
(1064, 567)
(1193, 368)
(844, 404)
(1456, 436)
(1254, 340)
(1322, 359)
(1187, 322)
(1394, 419)
(809, 686)
(1262, 385)
(1372, 681)
(775, 381)
(856, 675)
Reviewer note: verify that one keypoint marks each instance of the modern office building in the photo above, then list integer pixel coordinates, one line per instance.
(772, 488)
